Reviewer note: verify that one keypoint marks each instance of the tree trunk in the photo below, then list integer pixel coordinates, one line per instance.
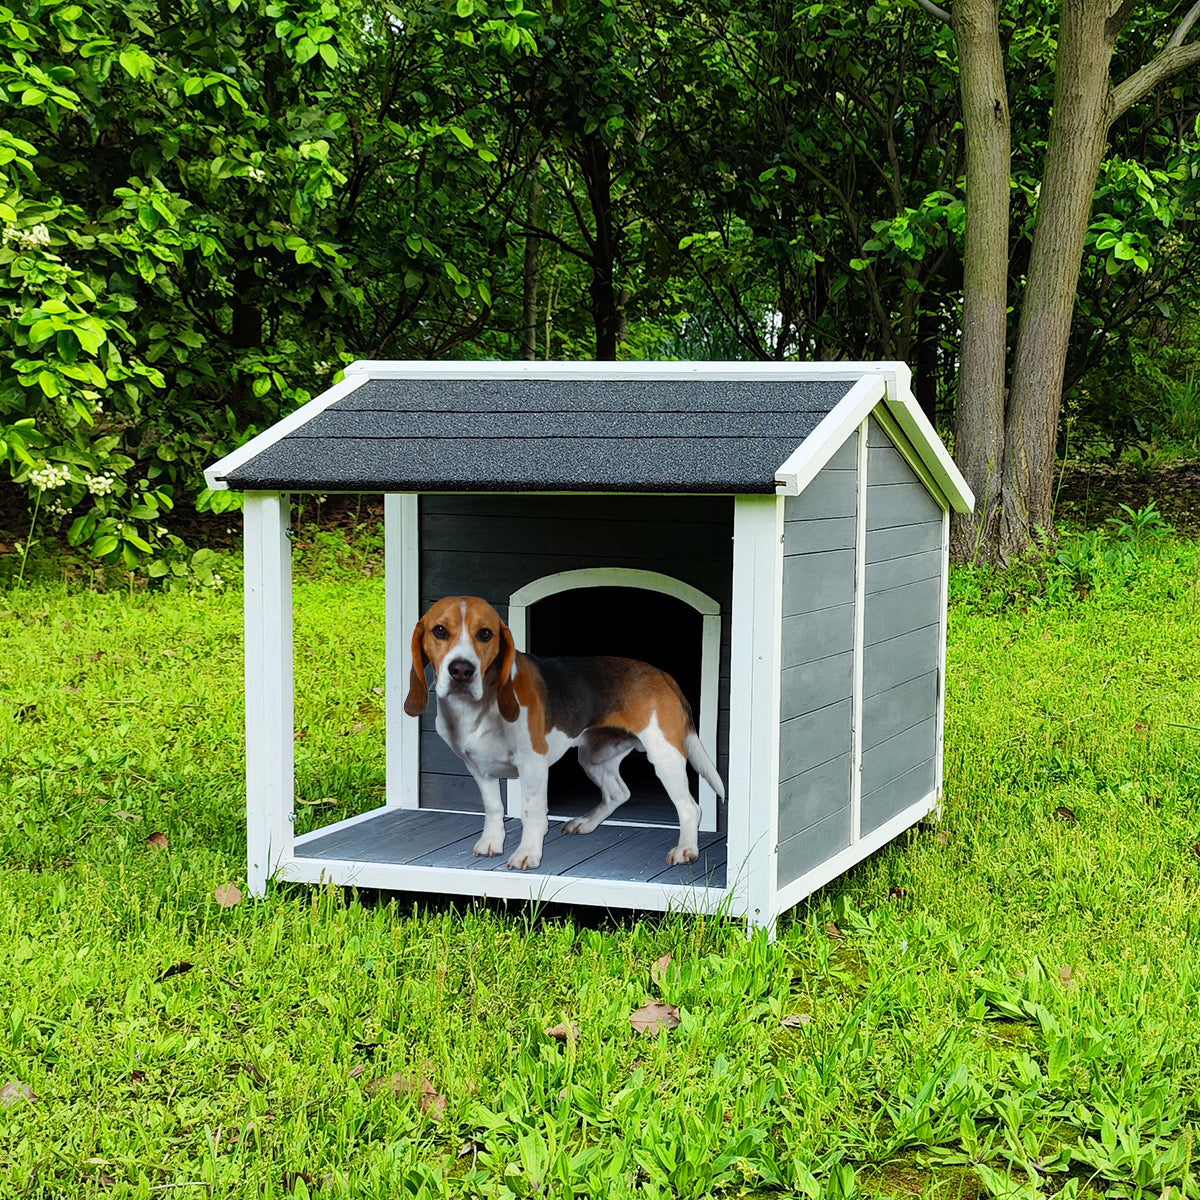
(531, 271)
(979, 426)
(1074, 152)
(594, 160)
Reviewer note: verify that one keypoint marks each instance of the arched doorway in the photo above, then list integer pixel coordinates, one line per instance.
(636, 614)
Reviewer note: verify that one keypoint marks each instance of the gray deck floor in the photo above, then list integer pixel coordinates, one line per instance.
(444, 839)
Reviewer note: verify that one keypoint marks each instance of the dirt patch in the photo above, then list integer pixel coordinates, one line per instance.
(1093, 492)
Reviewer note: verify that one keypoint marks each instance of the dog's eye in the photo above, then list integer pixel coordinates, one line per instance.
(484, 635)
(441, 632)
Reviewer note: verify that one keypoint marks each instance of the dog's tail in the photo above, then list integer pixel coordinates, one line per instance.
(698, 757)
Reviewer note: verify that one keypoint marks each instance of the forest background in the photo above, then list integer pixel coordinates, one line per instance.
(209, 208)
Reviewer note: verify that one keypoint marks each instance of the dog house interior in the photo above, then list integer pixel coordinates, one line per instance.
(775, 537)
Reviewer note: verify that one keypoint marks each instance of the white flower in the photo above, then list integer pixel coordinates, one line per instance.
(217, 581)
(100, 485)
(49, 477)
(27, 239)
(256, 175)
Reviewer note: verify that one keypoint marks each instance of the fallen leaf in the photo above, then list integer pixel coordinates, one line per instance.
(157, 840)
(180, 968)
(99, 654)
(563, 1033)
(227, 895)
(430, 1101)
(898, 893)
(1065, 974)
(13, 1093)
(1196, 849)
(795, 1020)
(122, 815)
(1063, 813)
(250, 1069)
(652, 1017)
(942, 836)
(834, 932)
(357, 1070)
(137, 1076)
(291, 1178)
(658, 969)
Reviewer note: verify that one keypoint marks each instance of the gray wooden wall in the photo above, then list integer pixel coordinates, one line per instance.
(901, 632)
(491, 545)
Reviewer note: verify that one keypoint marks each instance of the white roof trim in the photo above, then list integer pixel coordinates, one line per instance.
(215, 475)
(919, 430)
(836, 426)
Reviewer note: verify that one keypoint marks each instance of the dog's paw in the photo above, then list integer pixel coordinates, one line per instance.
(524, 859)
(578, 825)
(681, 854)
(487, 846)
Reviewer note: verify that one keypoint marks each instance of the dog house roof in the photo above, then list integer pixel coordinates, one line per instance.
(548, 427)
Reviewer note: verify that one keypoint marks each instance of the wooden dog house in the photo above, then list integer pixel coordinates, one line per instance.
(775, 535)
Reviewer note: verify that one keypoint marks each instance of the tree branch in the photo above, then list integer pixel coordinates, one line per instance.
(941, 14)
(1119, 19)
(1159, 69)
(1182, 29)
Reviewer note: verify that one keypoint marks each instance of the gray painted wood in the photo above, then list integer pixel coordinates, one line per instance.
(896, 572)
(887, 465)
(812, 685)
(901, 610)
(817, 634)
(814, 846)
(815, 738)
(833, 493)
(888, 801)
(876, 436)
(899, 504)
(812, 581)
(890, 759)
(813, 795)
(643, 855)
(896, 661)
(845, 457)
(901, 540)
(888, 713)
(397, 836)
(808, 536)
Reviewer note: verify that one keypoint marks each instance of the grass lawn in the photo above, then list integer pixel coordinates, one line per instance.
(1007, 1004)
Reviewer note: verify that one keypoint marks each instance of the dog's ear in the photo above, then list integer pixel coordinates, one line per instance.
(506, 698)
(417, 700)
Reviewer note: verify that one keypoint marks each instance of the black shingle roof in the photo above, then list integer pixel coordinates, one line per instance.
(660, 435)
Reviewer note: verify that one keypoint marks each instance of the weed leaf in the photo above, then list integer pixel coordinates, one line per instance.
(652, 1017)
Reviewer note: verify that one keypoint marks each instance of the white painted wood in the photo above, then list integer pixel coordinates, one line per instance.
(943, 617)
(756, 638)
(403, 610)
(792, 893)
(905, 448)
(830, 435)
(525, 597)
(513, 885)
(859, 648)
(920, 432)
(270, 769)
(214, 476)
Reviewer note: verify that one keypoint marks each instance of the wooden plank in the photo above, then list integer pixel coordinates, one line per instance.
(829, 630)
(901, 610)
(888, 466)
(450, 793)
(845, 457)
(711, 511)
(891, 504)
(636, 855)
(901, 540)
(815, 845)
(893, 797)
(398, 835)
(877, 436)
(898, 754)
(709, 869)
(812, 581)
(888, 664)
(896, 572)
(808, 686)
(814, 738)
(831, 494)
(809, 536)
(814, 795)
(888, 713)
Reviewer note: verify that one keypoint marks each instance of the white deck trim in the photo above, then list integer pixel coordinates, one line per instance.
(513, 885)
(830, 435)
(402, 611)
(270, 688)
(215, 475)
(525, 597)
(792, 893)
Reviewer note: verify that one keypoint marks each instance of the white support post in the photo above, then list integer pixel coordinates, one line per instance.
(270, 764)
(403, 604)
(860, 604)
(939, 765)
(754, 687)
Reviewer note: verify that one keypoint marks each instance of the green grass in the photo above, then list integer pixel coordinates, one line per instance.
(1003, 1004)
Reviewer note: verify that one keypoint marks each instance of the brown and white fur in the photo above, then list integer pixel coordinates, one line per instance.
(510, 715)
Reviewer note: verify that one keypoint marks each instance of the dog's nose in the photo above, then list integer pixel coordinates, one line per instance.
(461, 670)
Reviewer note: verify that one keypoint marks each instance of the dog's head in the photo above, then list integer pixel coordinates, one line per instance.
(469, 646)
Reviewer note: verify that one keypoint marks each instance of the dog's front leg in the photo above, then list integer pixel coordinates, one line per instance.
(533, 781)
(492, 841)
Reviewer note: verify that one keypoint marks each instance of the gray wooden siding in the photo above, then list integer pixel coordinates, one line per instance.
(901, 620)
(491, 545)
(817, 667)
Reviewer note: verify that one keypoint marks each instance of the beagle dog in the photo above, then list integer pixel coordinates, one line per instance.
(510, 715)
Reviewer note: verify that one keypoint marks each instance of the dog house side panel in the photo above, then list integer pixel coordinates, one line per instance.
(817, 668)
(491, 545)
(902, 631)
